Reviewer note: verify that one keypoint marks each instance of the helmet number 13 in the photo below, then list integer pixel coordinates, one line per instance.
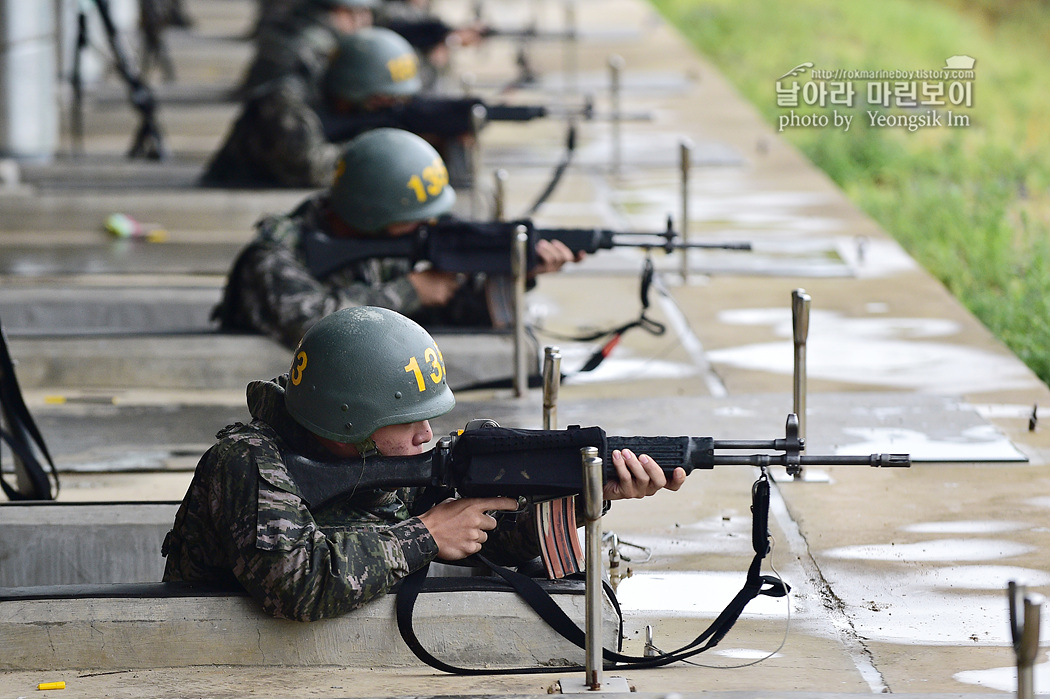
(432, 183)
(433, 358)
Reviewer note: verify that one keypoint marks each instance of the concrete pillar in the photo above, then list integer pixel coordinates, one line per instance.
(28, 98)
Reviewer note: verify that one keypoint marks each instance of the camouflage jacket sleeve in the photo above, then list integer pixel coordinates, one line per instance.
(280, 135)
(276, 549)
(277, 294)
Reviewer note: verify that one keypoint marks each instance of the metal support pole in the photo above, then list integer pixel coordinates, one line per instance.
(519, 267)
(616, 64)
(29, 119)
(1024, 630)
(592, 506)
(478, 116)
(571, 51)
(800, 302)
(551, 383)
(685, 163)
(501, 194)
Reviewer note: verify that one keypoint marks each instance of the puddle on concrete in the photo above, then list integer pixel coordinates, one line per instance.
(1042, 501)
(980, 443)
(880, 351)
(744, 653)
(983, 577)
(618, 366)
(964, 527)
(933, 551)
(699, 541)
(1004, 679)
(700, 594)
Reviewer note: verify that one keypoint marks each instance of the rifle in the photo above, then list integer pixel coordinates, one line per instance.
(454, 245)
(428, 32)
(438, 116)
(486, 460)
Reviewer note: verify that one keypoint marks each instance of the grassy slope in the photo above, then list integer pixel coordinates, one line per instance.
(970, 204)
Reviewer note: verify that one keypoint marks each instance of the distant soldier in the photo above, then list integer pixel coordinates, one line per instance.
(279, 139)
(246, 523)
(300, 39)
(387, 183)
(289, 131)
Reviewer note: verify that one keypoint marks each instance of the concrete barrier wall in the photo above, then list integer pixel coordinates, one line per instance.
(83, 543)
(473, 628)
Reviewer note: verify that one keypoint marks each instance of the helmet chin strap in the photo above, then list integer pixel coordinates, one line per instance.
(366, 448)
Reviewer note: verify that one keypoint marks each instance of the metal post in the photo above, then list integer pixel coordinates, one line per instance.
(1024, 630)
(616, 64)
(551, 383)
(29, 121)
(685, 163)
(571, 50)
(519, 268)
(800, 324)
(501, 194)
(592, 506)
(478, 116)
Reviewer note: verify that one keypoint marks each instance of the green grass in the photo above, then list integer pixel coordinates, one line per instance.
(971, 204)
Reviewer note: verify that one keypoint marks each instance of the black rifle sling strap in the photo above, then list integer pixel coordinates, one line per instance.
(22, 436)
(611, 338)
(542, 603)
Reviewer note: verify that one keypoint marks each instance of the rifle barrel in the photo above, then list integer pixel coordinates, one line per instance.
(785, 459)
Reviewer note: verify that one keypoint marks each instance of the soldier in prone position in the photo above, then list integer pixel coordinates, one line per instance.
(388, 183)
(298, 38)
(281, 137)
(362, 381)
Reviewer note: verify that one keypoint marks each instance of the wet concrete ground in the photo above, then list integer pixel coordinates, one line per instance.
(898, 576)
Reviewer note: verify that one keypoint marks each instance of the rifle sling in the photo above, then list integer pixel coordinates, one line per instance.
(22, 434)
(544, 605)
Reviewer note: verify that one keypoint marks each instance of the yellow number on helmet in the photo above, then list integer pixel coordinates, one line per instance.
(402, 67)
(413, 368)
(436, 176)
(297, 368)
(433, 358)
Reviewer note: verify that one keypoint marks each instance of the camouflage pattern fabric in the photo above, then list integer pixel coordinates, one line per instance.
(244, 522)
(290, 40)
(276, 141)
(271, 291)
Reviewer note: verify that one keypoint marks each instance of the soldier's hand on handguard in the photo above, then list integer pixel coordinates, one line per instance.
(639, 476)
(461, 526)
(470, 35)
(553, 255)
(435, 288)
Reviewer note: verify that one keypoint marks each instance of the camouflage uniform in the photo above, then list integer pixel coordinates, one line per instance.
(277, 141)
(244, 522)
(291, 41)
(271, 290)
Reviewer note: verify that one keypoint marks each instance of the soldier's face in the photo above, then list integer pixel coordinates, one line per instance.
(404, 228)
(347, 20)
(403, 440)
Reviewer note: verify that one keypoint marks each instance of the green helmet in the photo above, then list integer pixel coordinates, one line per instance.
(372, 61)
(387, 176)
(363, 368)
